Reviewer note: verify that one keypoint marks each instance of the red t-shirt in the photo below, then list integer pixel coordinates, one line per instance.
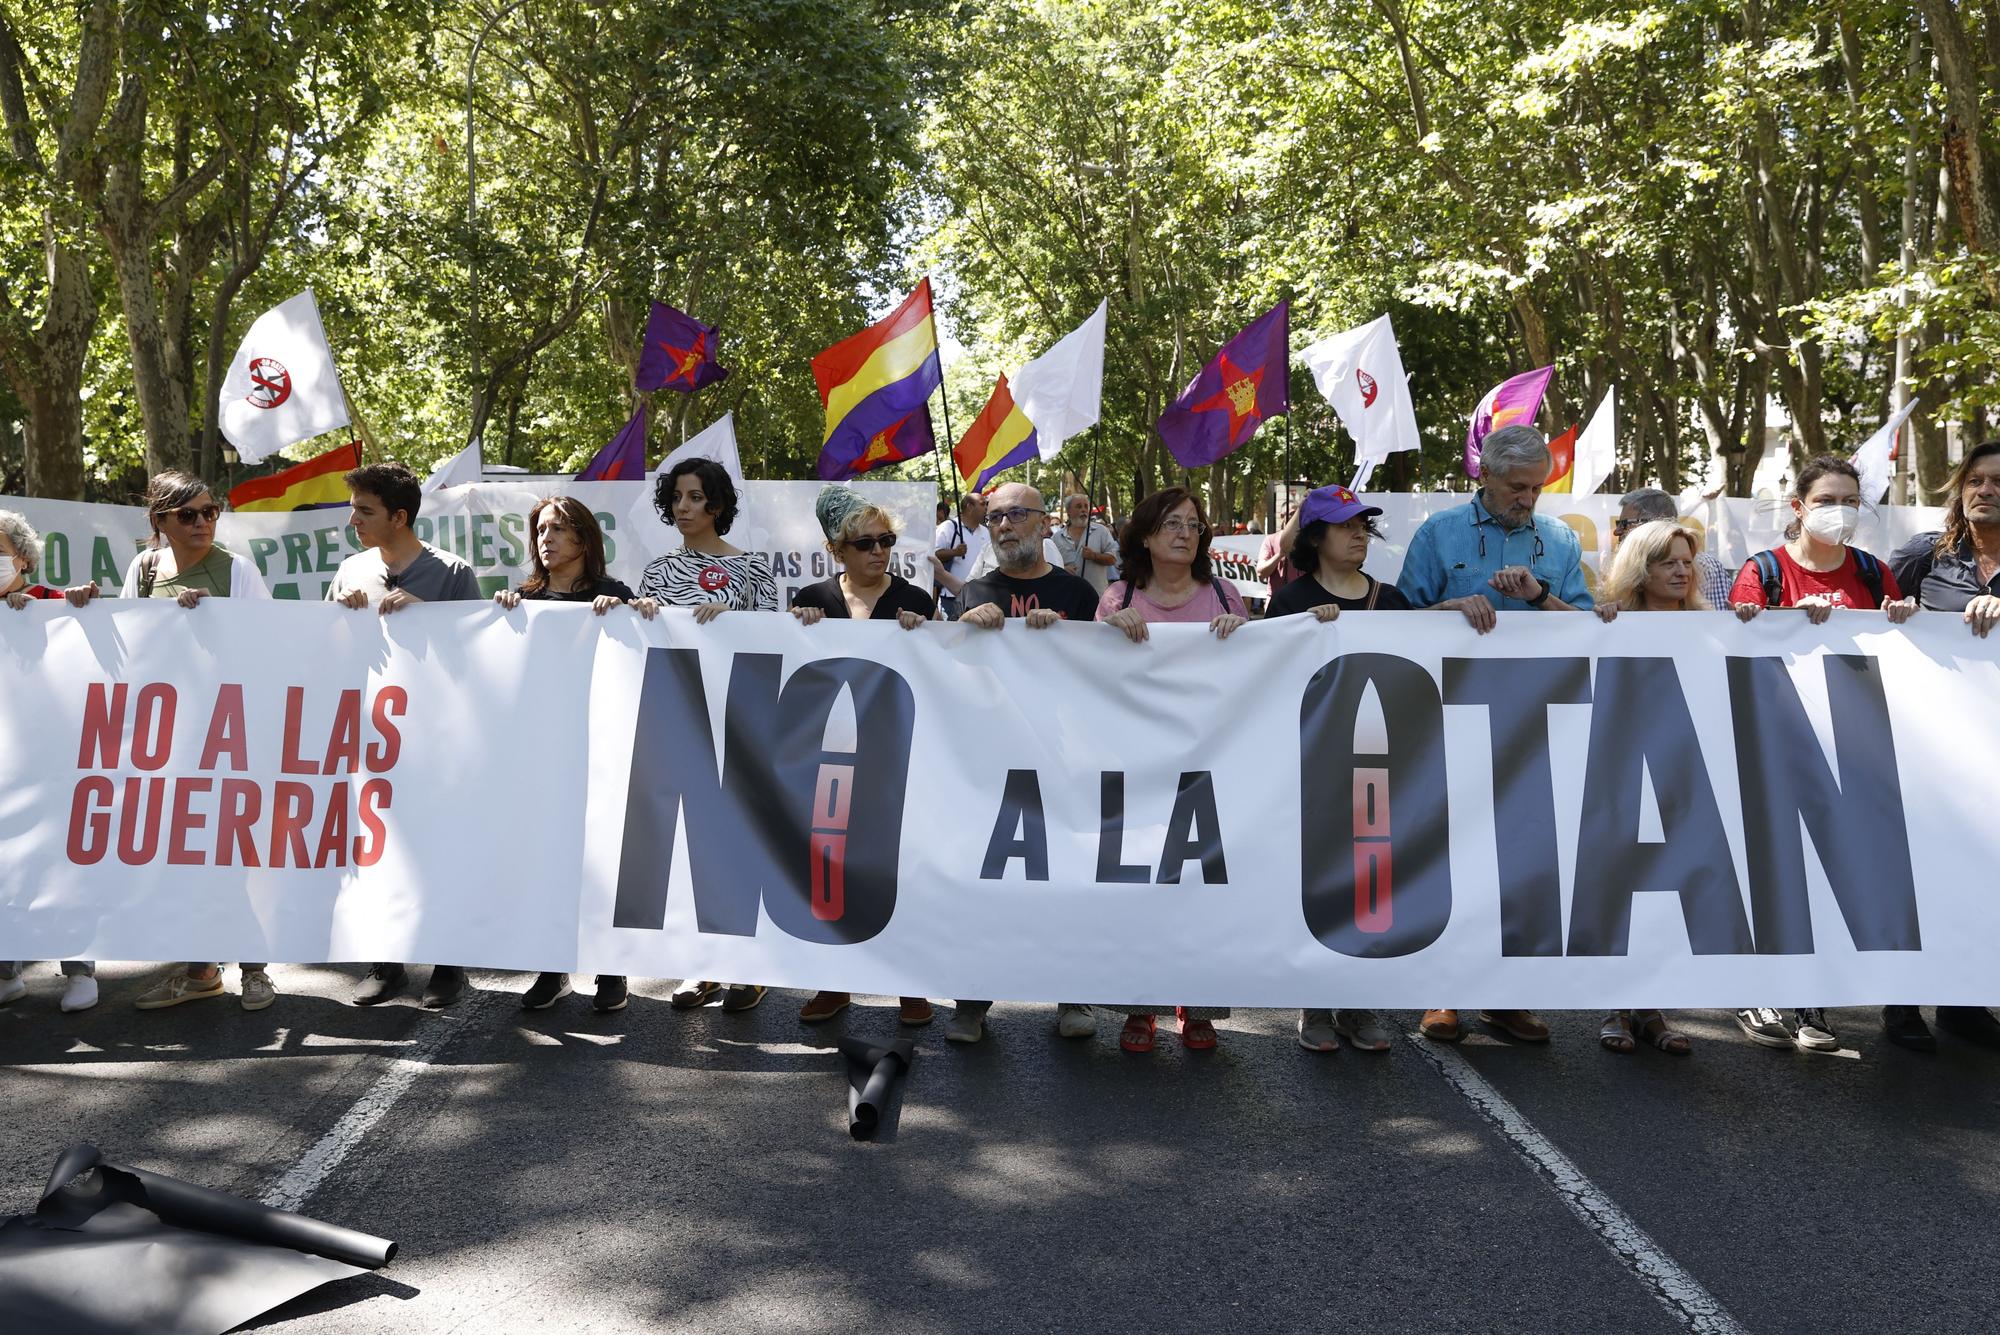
(1843, 587)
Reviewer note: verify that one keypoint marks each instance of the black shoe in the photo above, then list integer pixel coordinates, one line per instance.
(383, 981)
(1905, 1027)
(547, 991)
(611, 993)
(1974, 1024)
(743, 996)
(446, 986)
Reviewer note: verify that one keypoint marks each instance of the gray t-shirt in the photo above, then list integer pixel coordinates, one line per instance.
(1096, 538)
(434, 577)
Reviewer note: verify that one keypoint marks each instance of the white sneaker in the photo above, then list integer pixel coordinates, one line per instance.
(12, 990)
(177, 987)
(965, 1026)
(257, 990)
(1075, 1021)
(80, 993)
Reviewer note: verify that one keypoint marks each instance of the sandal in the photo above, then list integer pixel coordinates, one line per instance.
(1138, 1033)
(1653, 1027)
(1196, 1035)
(1616, 1033)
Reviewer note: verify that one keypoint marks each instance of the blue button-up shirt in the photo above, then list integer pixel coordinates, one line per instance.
(1457, 551)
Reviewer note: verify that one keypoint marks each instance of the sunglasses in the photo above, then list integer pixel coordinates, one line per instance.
(188, 514)
(882, 540)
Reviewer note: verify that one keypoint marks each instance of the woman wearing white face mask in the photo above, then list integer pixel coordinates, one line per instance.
(1816, 572)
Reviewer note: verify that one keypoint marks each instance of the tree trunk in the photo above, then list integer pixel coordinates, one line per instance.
(1970, 154)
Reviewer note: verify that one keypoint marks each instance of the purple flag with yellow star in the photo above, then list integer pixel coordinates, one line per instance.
(679, 353)
(1249, 380)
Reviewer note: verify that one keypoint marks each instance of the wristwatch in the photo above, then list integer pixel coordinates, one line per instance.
(1541, 597)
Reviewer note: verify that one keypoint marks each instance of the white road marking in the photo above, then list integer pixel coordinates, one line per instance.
(1678, 1291)
(433, 1035)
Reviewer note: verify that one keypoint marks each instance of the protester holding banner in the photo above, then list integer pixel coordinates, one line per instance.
(182, 561)
(1495, 553)
(1654, 570)
(393, 570)
(1647, 504)
(1815, 571)
(860, 537)
(1956, 569)
(20, 558)
(566, 564)
(1027, 587)
(1167, 575)
(707, 574)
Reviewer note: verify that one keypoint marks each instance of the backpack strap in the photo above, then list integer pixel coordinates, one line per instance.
(1769, 574)
(149, 570)
(1374, 592)
(1126, 601)
(1870, 571)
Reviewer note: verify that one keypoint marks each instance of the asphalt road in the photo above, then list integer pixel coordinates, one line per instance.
(657, 1170)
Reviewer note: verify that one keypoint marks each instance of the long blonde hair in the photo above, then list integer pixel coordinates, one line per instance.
(1624, 584)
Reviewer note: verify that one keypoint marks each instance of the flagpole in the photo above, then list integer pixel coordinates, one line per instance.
(951, 440)
(937, 456)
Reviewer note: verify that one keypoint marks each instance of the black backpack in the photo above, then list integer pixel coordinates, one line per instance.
(1773, 581)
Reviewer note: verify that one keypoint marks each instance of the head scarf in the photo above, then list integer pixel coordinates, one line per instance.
(835, 505)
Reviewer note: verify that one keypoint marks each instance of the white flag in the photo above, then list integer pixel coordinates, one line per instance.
(1872, 459)
(1060, 391)
(281, 388)
(1361, 374)
(1597, 448)
(456, 471)
(715, 441)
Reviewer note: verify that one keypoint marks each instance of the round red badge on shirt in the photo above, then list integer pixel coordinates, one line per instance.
(714, 579)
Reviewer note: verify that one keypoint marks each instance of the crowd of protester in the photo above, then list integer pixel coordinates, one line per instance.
(1004, 557)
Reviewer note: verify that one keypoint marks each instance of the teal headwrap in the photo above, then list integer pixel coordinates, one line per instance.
(835, 505)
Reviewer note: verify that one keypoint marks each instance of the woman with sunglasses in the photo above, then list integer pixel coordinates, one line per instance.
(861, 537)
(183, 562)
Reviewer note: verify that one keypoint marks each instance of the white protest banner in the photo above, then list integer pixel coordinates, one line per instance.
(281, 387)
(1667, 811)
(1732, 528)
(485, 523)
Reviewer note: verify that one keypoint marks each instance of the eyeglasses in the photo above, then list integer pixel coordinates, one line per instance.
(1017, 514)
(1623, 526)
(1180, 527)
(868, 544)
(188, 514)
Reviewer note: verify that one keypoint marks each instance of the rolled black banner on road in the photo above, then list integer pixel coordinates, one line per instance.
(883, 1067)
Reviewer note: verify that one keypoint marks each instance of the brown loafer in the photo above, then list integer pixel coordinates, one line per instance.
(1523, 1025)
(1441, 1026)
(824, 1006)
(915, 1010)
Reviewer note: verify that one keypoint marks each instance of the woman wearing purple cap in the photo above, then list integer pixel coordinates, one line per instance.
(1168, 578)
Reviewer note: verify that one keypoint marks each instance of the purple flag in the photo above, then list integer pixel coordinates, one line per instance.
(1514, 402)
(624, 459)
(679, 353)
(1249, 380)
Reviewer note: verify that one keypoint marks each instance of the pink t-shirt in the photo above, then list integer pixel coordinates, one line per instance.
(1210, 601)
(1285, 573)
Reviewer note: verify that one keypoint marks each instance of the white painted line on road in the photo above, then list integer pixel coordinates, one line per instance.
(1678, 1291)
(305, 1177)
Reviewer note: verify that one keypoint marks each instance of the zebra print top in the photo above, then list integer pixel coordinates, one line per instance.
(683, 578)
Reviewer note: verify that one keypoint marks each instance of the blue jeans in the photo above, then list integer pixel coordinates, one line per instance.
(70, 968)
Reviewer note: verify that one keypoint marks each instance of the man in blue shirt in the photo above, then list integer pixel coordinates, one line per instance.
(1495, 552)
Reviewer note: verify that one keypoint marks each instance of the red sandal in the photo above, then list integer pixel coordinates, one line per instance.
(1196, 1035)
(1138, 1033)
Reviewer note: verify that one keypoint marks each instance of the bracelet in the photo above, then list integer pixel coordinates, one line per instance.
(1543, 596)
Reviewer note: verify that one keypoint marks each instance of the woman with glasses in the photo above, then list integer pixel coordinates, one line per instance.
(861, 537)
(1654, 570)
(1816, 571)
(566, 565)
(183, 562)
(1167, 578)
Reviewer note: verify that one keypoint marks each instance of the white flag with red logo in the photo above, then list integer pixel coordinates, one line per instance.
(1361, 374)
(282, 387)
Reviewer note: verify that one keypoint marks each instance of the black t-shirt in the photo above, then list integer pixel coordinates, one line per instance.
(900, 596)
(604, 588)
(1305, 593)
(1071, 595)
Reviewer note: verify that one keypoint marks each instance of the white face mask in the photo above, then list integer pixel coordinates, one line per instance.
(1833, 523)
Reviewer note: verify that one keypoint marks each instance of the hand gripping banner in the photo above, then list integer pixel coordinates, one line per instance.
(1388, 810)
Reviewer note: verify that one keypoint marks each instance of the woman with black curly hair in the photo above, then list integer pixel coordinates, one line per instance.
(712, 577)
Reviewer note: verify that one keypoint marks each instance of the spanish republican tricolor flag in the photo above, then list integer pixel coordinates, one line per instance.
(1000, 438)
(313, 485)
(874, 381)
